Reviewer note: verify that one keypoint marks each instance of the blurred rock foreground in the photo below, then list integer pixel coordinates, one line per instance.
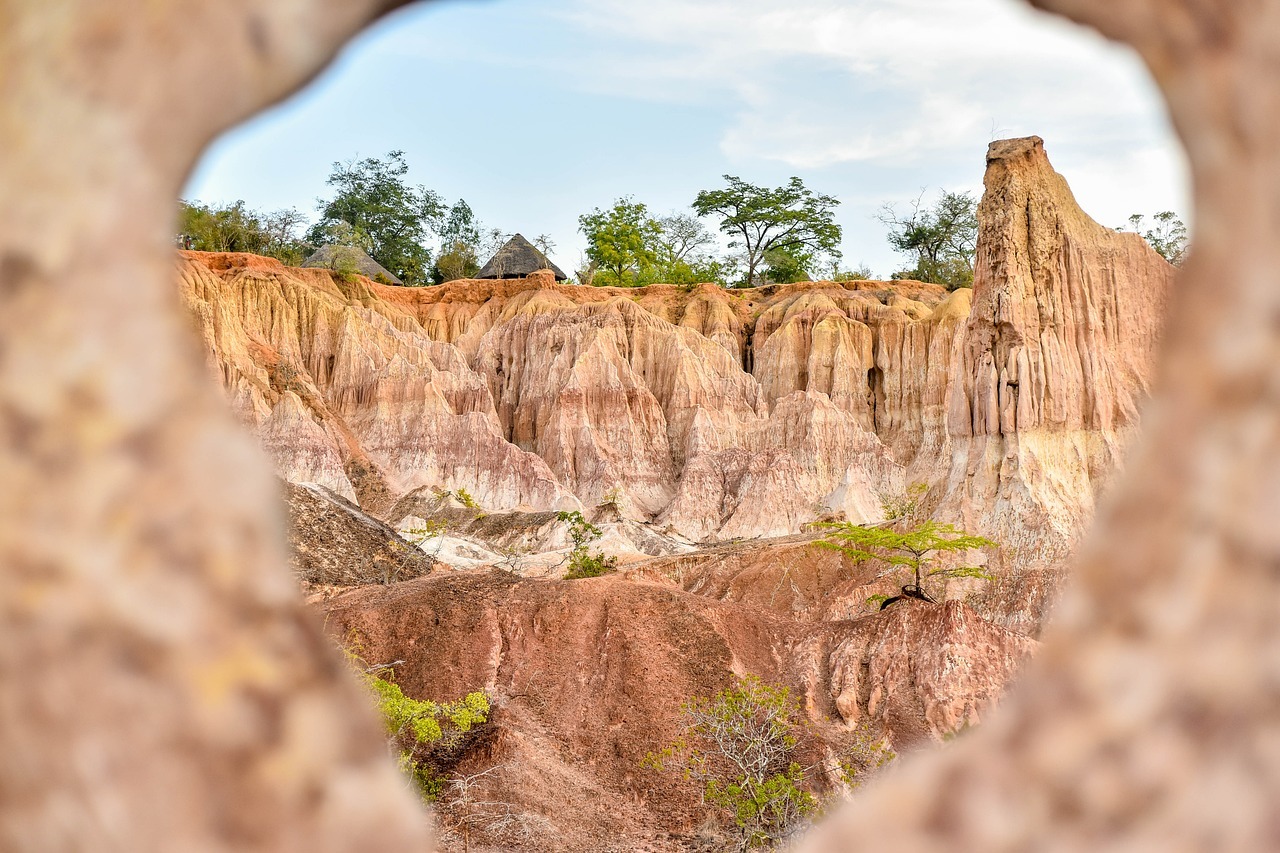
(143, 563)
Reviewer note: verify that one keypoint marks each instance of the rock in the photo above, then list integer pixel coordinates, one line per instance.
(722, 414)
(588, 677)
(333, 543)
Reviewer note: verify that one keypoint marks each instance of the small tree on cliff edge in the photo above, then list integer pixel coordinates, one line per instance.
(791, 219)
(1167, 235)
(911, 551)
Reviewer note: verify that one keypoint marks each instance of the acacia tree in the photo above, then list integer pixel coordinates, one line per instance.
(621, 241)
(942, 239)
(912, 551)
(1167, 235)
(791, 219)
(373, 197)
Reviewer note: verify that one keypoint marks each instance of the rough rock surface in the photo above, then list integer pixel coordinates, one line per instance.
(1057, 355)
(588, 677)
(333, 543)
(1145, 723)
(725, 414)
(161, 685)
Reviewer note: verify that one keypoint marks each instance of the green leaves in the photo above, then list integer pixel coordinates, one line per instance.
(583, 562)
(740, 744)
(422, 730)
(375, 201)
(909, 549)
(1168, 235)
(236, 228)
(622, 241)
(792, 220)
(942, 239)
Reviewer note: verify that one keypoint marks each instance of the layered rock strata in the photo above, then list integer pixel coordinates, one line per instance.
(720, 414)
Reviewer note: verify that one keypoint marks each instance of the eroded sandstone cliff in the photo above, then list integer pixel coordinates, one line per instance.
(718, 414)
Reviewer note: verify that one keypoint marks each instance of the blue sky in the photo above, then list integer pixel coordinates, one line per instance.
(536, 111)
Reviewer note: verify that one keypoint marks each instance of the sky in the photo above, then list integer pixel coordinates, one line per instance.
(537, 111)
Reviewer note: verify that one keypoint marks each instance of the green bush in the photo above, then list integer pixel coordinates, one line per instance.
(583, 562)
(426, 735)
(741, 744)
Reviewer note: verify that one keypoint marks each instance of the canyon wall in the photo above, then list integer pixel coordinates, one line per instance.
(718, 414)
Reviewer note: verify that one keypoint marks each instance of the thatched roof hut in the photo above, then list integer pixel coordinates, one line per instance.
(518, 259)
(350, 258)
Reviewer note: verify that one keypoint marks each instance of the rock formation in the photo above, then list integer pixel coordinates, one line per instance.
(333, 543)
(112, 528)
(721, 414)
(588, 677)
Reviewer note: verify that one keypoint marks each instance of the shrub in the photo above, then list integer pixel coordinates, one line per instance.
(583, 562)
(425, 734)
(741, 745)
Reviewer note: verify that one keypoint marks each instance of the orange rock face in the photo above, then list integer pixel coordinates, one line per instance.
(723, 414)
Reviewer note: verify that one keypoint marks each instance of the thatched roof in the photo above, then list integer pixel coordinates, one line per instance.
(349, 257)
(518, 259)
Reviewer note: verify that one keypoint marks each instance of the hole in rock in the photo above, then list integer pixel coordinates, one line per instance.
(607, 515)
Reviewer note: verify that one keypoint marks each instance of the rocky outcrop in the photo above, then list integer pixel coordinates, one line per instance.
(1055, 361)
(537, 396)
(588, 677)
(721, 414)
(333, 543)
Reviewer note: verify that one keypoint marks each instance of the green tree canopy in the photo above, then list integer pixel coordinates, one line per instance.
(791, 219)
(460, 245)
(237, 228)
(1167, 235)
(942, 240)
(622, 242)
(787, 266)
(911, 550)
(373, 197)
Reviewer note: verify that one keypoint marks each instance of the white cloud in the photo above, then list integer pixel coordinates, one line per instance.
(822, 82)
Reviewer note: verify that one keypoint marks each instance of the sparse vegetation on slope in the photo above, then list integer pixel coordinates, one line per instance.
(741, 745)
(583, 562)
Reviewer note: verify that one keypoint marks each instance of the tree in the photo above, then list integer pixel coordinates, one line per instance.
(741, 744)
(373, 197)
(583, 562)
(942, 240)
(460, 245)
(685, 253)
(791, 218)
(683, 238)
(787, 266)
(1168, 235)
(911, 550)
(237, 228)
(546, 246)
(622, 242)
